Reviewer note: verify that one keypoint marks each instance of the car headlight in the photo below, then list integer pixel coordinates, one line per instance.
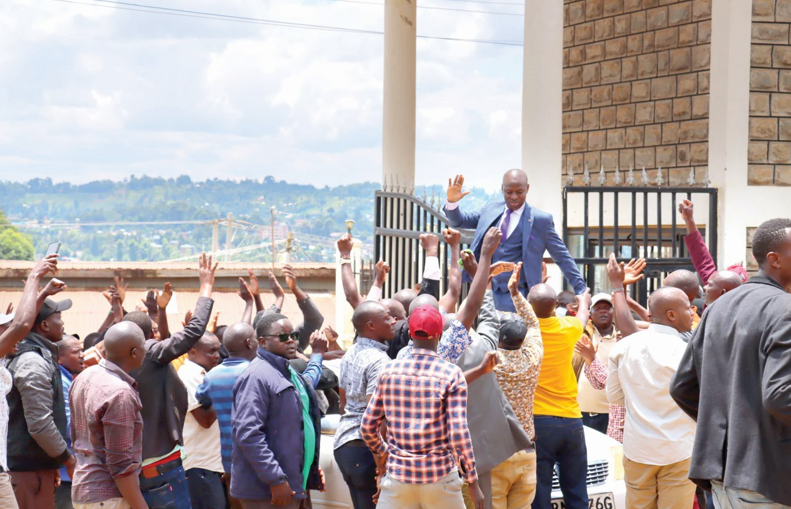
(617, 460)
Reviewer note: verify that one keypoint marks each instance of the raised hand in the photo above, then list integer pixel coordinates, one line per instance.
(253, 286)
(687, 209)
(187, 317)
(345, 244)
(585, 348)
(54, 287)
(382, 269)
(500, 267)
(10, 308)
(206, 273)
(491, 241)
(212, 326)
(633, 271)
(150, 302)
(318, 343)
(291, 277)
(451, 236)
(616, 272)
(430, 243)
(455, 189)
(121, 286)
(163, 299)
(244, 291)
(277, 290)
(584, 299)
(513, 283)
(490, 360)
(544, 272)
(45, 266)
(331, 335)
(469, 263)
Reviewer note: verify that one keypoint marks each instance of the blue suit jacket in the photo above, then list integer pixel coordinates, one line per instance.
(538, 235)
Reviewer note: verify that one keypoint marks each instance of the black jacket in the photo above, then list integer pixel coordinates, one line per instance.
(163, 395)
(735, 381)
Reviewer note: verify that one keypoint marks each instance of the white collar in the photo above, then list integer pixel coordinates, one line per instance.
(517, 212)
(664, 329)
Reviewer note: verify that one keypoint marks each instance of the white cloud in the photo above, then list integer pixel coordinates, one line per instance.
(102, 93)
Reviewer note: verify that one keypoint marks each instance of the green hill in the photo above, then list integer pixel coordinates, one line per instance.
(316, 216)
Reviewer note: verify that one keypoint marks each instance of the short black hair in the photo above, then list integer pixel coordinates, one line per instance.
(142, 320)
(90, 340)
(264, 325)
(566, 297)
(768, 238)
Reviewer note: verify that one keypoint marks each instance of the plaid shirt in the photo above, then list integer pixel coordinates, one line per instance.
(106, 431)
(596, 374)
(424, 400)
(454, 341)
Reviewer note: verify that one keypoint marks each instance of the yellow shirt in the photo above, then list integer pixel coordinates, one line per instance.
(556, 394)
(177, 363)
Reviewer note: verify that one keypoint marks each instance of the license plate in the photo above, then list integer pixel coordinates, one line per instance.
(598, 501)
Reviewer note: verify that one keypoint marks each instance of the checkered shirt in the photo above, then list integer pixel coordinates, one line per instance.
(596, 374)
(423, 398)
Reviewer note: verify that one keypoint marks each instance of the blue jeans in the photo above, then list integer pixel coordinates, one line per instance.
(359, 471)
(167, 491)
(207, 490)
(561, 440)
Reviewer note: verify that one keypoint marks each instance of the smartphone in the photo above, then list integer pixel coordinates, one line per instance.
(53, 248)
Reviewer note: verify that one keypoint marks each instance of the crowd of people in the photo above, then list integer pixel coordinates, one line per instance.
(477, 405)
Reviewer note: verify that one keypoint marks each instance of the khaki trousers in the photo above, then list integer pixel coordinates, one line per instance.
(514, 481)
(110, 503)
(7, 497)
(658, 487)
(444, 494)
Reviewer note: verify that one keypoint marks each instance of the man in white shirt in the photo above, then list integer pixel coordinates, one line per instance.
(658, 435)
(202, 451)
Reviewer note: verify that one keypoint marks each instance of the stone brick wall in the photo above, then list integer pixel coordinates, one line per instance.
(770, 94)
(636, 87)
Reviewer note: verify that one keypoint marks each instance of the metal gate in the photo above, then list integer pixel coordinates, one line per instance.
(399, 220)
(634, 222)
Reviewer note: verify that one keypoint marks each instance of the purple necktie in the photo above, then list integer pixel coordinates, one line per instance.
(504, 225)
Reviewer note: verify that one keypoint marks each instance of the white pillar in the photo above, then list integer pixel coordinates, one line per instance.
(740, 206)
(398, 143)
(542, 104)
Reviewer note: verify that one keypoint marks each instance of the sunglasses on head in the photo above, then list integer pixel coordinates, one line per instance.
(286, 336)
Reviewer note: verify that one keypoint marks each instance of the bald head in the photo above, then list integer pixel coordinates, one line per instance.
(240, 341)
(405, 297)
(543, 299)
(670, 306)
(397, 309)
(515, 189)
(447, 319)
(124, 345)
(721, 283)
(367, 311)
(685, 281)
(423, 300)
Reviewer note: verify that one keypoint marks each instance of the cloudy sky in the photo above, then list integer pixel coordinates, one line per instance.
(89, 92)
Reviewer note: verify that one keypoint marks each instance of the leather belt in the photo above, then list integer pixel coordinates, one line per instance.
(153, 471)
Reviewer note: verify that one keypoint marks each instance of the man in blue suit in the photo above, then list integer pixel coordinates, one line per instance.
(527, 233)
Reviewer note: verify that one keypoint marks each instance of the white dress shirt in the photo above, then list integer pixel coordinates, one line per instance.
(201, 445)
(656, 432)
(516, 215)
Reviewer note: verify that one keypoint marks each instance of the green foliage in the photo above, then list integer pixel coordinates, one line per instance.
(15, 245)
(304, 209)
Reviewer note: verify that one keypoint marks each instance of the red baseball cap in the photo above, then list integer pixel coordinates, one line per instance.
(425, 323)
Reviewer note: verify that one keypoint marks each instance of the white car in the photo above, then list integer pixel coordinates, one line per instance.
(606, 489)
